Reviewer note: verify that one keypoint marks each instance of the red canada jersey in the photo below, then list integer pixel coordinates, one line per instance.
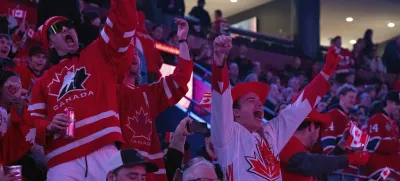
(292, 147)
(18, 139)
(26, 74)
(345, 64)
(139, 108)
(331, 136)
(384, 136)
(88, 83)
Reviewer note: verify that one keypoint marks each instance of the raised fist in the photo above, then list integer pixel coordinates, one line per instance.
(222, 46)
(183, 28)
(333, 57)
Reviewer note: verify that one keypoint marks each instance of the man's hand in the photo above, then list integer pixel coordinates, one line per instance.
(179, 138)
(59, 123)
(358, 158)
(11, 177)
(181, 129)
(183, 28)
(333, 57)
(342, 142)
(222, 46)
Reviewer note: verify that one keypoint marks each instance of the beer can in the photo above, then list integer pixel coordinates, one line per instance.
(13, 169)
(70, 131)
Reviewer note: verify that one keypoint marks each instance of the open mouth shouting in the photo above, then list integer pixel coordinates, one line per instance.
(69, 40)
(258, 115)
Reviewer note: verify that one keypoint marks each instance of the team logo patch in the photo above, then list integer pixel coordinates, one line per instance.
(264, 163)
(388, 127)
(68, 80)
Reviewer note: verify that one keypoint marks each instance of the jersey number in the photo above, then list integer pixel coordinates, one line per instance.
(373, 128)
(331, 127)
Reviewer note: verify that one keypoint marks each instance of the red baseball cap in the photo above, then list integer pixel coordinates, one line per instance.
(43, 29)
(259, 88)
(324, 119)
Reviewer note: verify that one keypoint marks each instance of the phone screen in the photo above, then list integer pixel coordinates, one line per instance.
(198, 127)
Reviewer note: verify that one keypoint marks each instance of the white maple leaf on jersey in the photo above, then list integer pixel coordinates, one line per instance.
(30, 137)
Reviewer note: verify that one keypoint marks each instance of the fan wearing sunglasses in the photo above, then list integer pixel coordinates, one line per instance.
(85, 80)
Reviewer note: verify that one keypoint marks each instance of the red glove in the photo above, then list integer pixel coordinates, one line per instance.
(358, 158)
(333, 57)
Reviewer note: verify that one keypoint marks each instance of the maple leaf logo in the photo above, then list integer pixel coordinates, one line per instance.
(264, 163)
(68, 80)
(140, 125)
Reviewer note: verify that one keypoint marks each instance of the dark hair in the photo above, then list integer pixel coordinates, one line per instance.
(369, 88)
(306, 124)
(274, 80)
(37, 50)
(154, 27)
(236, 104)
(336, 38)
(90, 16)
(368, 35)
(344, 89)
(218, 12)
(4, 75)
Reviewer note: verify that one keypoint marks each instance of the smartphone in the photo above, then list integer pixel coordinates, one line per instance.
(197, 127)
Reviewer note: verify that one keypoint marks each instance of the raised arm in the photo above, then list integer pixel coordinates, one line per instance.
(222, 123)
(282, 127)
(118, 31)
(169, 90)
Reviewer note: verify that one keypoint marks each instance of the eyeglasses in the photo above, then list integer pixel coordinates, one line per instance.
(58, 27)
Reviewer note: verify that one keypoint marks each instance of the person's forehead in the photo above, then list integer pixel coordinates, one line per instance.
(250, 95)
(134, 169)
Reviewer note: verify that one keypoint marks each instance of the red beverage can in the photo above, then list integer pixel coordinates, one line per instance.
(70, 131)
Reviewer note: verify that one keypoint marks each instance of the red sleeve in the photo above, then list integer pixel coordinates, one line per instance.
(381, 140)
(38, 112)
(169, 90)
(117, 34)
(289, 150)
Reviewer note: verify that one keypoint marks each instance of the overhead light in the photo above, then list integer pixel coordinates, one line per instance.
(390, 25)
(353, 42)
(349, 19)
(233, 1)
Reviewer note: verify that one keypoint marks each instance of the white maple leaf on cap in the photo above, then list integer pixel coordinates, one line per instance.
(30, 137)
